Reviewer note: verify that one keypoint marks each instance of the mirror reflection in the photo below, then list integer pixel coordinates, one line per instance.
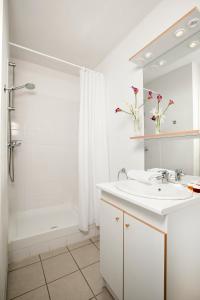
(171, 87)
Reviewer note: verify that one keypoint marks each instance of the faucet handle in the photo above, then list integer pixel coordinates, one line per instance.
(164, 172)
(122, 171)
(179, 171)
(165, 176)
(178, 174)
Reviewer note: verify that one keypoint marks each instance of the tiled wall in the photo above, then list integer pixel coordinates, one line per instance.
(4, 54)
(46, 120)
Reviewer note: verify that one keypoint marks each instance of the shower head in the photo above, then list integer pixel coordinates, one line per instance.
(28, 85)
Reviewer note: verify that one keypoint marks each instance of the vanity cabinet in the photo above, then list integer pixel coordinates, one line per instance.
(132, 256)
(111, 247)
(144, 259)
(149, 249)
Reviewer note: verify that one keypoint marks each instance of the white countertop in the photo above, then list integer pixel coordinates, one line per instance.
(161, 207)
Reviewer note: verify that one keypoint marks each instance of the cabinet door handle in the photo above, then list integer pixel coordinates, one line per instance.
(127, 225)
(117, 219)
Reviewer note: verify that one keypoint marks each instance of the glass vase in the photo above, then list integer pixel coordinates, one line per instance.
(136, 126)
(157, 125)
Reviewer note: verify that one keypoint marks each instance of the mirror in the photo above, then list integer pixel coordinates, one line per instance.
(175, 75)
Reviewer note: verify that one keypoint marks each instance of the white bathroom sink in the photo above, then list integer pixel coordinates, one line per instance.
(168, 191)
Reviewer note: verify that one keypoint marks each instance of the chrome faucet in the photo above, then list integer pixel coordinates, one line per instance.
(178, 174)
(122, 171)
(164, 176)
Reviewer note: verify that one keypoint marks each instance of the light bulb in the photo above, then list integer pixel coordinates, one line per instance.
(193, 44)
(179, 32)
(148, 55)
(162, 62)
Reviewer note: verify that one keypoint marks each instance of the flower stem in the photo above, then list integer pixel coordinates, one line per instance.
(132, 112)
(135, 100)
(126, 112)
(142, 104)
(166, 109)
(158, 107)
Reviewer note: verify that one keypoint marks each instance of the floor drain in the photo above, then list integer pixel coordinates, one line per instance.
(54, 227)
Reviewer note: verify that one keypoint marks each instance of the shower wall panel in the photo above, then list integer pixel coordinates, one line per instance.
(46, 120)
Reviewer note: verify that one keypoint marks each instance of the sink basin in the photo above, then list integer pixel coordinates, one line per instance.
(168, 191)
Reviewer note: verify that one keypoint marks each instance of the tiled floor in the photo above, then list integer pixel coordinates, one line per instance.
(65, 274)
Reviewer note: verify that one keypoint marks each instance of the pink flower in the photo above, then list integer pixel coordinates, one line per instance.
(118, 109)
(159, 98)
(135, 90)
(150, 95)
(153, 118)
(171, 102)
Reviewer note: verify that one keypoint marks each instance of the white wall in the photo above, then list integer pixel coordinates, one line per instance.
(196, 115)
(175, 153)
(46, 120)
(4, 53)
(119, 73)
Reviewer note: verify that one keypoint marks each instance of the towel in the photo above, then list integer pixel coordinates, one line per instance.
(142, 176)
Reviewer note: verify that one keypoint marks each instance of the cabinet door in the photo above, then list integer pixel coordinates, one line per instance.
(144, 261)
(111, 247)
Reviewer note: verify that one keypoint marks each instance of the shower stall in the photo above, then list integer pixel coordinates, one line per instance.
(43, 122)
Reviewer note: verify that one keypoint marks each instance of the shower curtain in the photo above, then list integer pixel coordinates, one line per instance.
(93, 150)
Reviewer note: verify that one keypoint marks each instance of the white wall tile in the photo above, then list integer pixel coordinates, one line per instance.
(46, 119)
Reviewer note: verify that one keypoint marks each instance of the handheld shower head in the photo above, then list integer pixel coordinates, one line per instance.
(28, 85)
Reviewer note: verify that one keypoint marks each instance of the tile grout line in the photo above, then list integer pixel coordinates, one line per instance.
(90, 264)
(98, 261)
(28, 292)
(79, 246)
(65, 252)
(45, 277)
(63, 276)
(18, 268)
(71, 272)
(54, 255)
(83, 276)
(39, 255)
(94, 243)
(107, 291)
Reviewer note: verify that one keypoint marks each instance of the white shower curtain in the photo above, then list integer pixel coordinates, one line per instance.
(93, 150)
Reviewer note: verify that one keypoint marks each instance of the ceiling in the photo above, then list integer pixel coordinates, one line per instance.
(80, 31)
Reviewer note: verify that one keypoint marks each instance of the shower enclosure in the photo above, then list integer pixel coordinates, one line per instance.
(44, 198)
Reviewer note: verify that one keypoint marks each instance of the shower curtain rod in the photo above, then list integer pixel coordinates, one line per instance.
(48, 56)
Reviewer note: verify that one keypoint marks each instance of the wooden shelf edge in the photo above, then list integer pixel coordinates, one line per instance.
(167, 135)
(161, 34)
